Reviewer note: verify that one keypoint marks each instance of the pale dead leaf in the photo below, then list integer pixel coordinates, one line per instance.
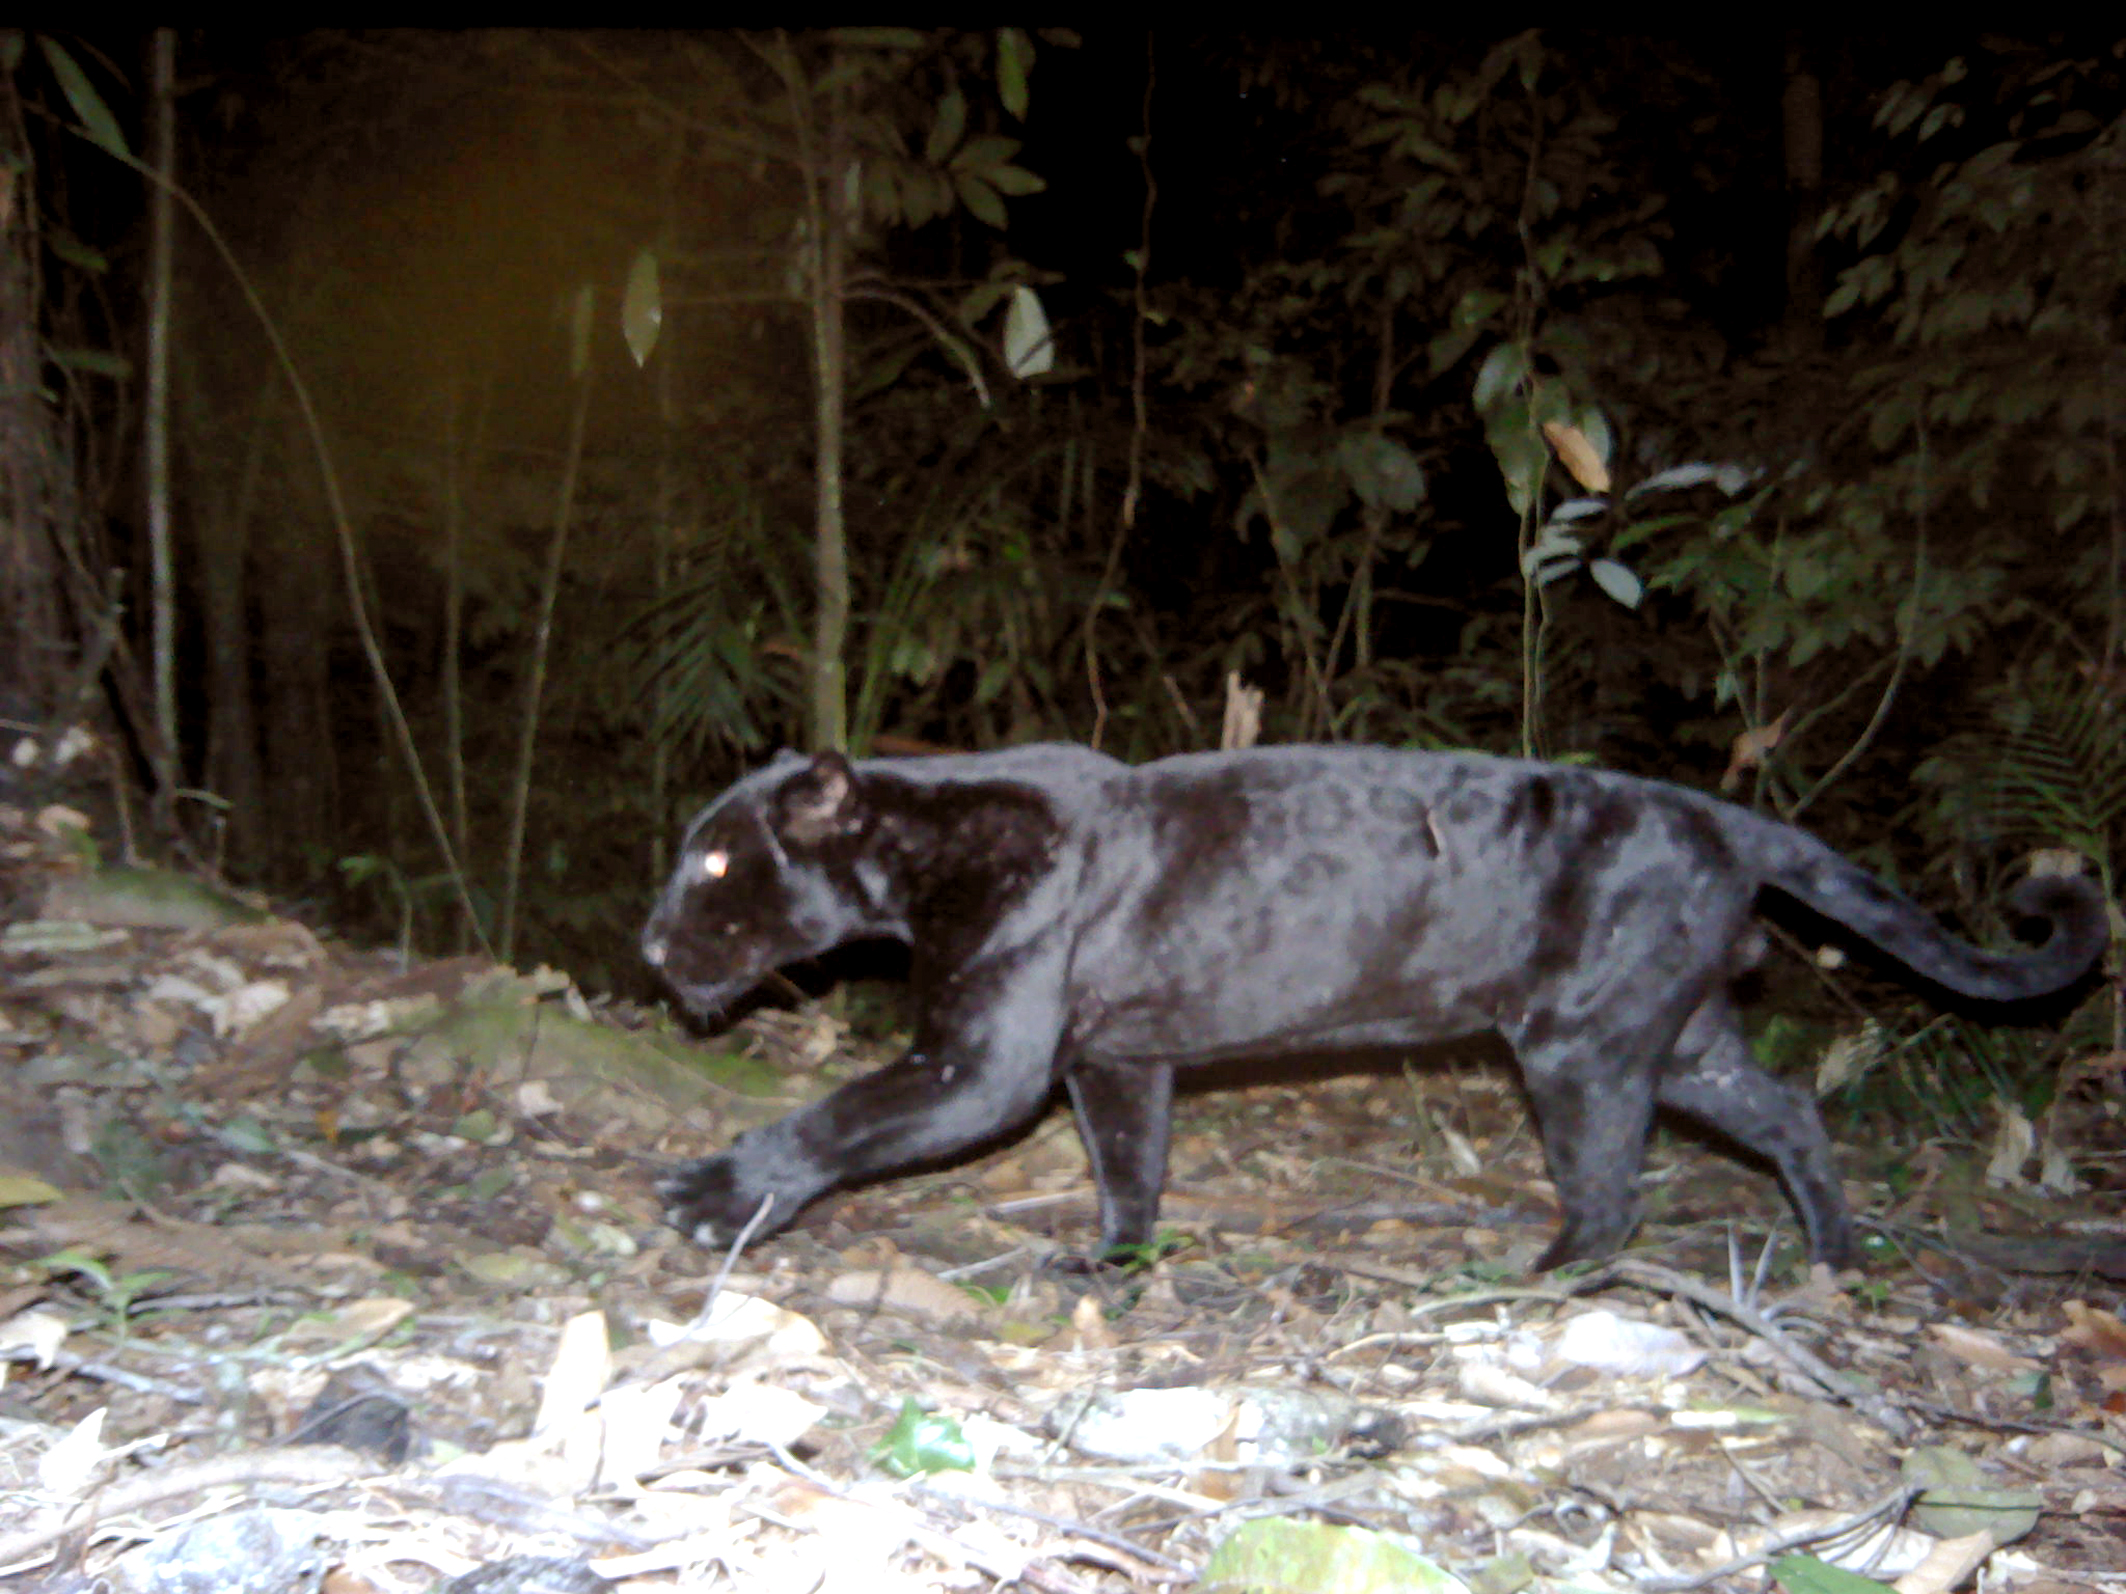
(1577, 455)
(1948, 1565)
(237, 1011)
(2013, 1143)
(2095, 1330)
(637, 1418)
(758, 1413)
(907, 1288)
(370, 1318)
(56, 820)
(1748, 750)
(581, 1367)
(37, 1331)
(67, 1467)
(1088, 1326)
(1976, 1348)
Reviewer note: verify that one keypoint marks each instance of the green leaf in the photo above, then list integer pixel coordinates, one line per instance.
(1383, 473)
(97, 362)
(1279, 1555)
(76, 253)
(1476, 307)
(1014, 61)
(1015, 180)
(248, 1135)
(882, 195)
(642, 307)
(1448, 347)
(96, 119)
(880, 38)
(983, 151)
(980, 199)
(1501, 372)
(919, 1442)
(1522, 460)
(947, 128)
(1804, 1574)
(1528, 56)
(1960, 1499)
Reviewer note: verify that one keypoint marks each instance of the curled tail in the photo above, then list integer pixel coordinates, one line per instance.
(2070, 906)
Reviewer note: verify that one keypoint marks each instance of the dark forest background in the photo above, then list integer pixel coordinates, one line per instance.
(557, 423)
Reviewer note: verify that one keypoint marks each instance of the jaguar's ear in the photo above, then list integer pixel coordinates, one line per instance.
(821, 800)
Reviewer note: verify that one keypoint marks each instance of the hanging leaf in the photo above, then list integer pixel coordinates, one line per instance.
(1009, 179)
(1029, 349)
(1522, 460)
(947, 129)
(1578, 456)
(76, 253)
(1476, 307)
(1383, 473)
(1502, 370)
(642, 307)
(1574, 510)
(96, 119)
(984, 151)
(98, 362)
(1014, 61)
(579, 332)
(1618, 581)
(1448, 347)
(1555, 570)
(980, 198)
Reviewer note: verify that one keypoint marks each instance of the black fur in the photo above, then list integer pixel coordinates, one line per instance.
(1074, 918)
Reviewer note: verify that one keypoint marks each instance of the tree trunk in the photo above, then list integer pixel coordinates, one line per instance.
(36, 473)
(1801, 117)
(830, 709)
(155, 422)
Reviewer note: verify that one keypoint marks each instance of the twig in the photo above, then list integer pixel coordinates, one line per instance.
(1890, 1506)
(315, 1466)
(1979, 1419)
(105, 1373)
(1853, 1391)
(940, 1543)
(1083, 1530)
(730, 1259)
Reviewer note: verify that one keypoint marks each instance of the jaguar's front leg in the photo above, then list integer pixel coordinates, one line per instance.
(978, 1072)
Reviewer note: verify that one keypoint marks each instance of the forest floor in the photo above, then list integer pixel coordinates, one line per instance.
(320, 1269)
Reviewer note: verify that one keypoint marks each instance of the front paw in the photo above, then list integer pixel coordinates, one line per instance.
(754, 1187)
(711, 1202)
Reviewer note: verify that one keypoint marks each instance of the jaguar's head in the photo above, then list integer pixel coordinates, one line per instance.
(774, 871)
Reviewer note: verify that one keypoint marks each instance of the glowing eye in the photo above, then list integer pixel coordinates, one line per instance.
(714, 865)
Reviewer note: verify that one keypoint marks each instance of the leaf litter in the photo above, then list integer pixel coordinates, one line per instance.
(323, 1270)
